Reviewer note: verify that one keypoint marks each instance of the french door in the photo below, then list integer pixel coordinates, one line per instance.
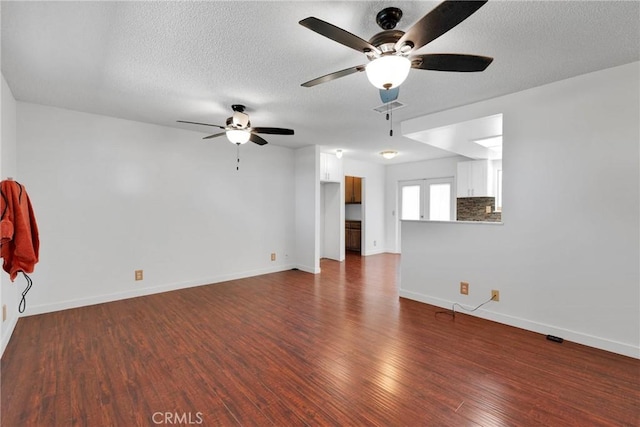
(427, 200)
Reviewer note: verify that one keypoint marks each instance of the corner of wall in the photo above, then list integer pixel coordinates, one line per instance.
(8, 167)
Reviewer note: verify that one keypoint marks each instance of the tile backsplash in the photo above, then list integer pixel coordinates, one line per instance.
(475, 209)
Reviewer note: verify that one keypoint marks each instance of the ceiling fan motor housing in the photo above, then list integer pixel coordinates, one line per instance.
(238, 120)
(386, 40)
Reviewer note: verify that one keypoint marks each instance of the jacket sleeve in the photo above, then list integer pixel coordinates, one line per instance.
(20, 251)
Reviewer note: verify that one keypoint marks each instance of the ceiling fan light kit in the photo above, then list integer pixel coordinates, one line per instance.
(238, 136)
(388, 71)
(390, 52)
(238, 128)
(390, 56)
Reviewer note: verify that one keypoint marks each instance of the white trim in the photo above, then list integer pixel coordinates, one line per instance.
(541, 328)
(374, 252)
(100, 299)
(9, 331)
(307, 269)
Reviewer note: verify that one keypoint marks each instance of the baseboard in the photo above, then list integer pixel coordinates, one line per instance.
(307, 269)
(8, 332)
(373, 252)
(518, 322)
(100, 299)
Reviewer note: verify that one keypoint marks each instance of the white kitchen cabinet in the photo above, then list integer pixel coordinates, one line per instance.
(330, 168)
(475, 179)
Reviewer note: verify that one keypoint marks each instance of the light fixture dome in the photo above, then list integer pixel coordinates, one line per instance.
(339, 154)
(389, 154)
(388, 71)
(238, 136)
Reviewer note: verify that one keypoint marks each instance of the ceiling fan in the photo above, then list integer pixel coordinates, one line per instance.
(390, 51)
(238, 128)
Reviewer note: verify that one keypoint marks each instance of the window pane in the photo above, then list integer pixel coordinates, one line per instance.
(440, 202)
(410, 202)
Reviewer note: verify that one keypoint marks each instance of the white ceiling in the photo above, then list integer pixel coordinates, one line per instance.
(159, 62)
(460, 138)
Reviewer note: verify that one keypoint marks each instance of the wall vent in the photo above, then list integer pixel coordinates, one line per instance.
(393, 105)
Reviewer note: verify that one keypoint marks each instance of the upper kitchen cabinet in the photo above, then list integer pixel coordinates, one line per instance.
(330, 168)
(475, 179)
(352, 189)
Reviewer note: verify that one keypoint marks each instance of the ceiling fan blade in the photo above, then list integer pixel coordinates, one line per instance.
(333, 76)
(273, 131)
(257, 139)
(444, 17)
(338, 34)
(450, 62)
(215, 135)
(203, 124)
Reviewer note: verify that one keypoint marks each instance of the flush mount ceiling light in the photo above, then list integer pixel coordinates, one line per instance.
(388, 154)
(339, 154)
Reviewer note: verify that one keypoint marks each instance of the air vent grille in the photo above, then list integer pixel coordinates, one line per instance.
(393, 105)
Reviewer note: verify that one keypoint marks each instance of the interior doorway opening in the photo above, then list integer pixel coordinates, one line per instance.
(354, 214)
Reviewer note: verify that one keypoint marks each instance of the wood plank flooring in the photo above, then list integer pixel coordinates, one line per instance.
(295, 349)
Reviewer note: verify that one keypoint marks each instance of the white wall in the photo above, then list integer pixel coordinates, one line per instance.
(112, 196)
(373, 197)
(9, 292)
(307, 208)
(353, 212)
(566, 260)
(332, 221)
(8, 161)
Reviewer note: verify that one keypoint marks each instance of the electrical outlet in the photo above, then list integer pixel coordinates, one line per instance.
(487, 209)
(273, 256)
(495, 295)
(464, 288)
(138, 274)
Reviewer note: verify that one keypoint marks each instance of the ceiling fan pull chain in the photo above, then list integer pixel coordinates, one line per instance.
(237, 157)
(391, 120)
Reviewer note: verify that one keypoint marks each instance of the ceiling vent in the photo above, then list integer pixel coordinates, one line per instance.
(385, 108)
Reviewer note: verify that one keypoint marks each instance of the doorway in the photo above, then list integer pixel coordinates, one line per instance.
(354, 215)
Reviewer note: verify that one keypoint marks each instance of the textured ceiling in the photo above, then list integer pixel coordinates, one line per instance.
(159, 62)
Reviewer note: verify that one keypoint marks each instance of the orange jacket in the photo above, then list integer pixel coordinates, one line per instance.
(18, 230)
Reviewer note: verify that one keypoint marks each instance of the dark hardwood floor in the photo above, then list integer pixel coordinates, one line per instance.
(295, 349)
